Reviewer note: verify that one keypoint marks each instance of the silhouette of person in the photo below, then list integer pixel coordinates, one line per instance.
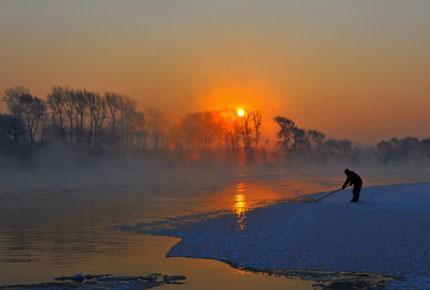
(354, 179)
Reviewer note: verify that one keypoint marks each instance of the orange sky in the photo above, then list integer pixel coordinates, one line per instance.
(353, 69)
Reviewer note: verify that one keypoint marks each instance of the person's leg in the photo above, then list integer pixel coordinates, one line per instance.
(356, 192)
(353, 194)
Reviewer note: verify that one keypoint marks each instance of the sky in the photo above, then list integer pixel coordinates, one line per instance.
(352, 69)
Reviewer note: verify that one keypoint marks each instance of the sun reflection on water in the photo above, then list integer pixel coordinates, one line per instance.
(240, 207)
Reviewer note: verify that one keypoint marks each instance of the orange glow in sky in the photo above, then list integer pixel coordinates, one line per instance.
(353, 70)
(249, 95)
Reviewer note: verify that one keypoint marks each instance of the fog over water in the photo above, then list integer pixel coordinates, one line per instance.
(60, 208)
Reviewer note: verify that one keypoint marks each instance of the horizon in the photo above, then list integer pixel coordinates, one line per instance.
(363, 63)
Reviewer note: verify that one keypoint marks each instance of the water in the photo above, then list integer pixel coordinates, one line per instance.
(50, 232)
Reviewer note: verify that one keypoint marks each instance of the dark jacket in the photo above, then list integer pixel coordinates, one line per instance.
(352, 178)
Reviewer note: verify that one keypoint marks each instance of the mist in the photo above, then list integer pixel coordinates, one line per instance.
(77, 137)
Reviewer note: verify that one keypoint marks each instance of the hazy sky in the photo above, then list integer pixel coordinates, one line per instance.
(353, 69)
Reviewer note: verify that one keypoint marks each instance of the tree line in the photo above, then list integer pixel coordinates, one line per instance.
(113, 122)
(311, 145)
(73, 116)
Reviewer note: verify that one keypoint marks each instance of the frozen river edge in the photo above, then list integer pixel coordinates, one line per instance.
(386, 234)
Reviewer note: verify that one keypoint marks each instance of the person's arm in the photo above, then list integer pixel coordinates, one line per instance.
(347, 182)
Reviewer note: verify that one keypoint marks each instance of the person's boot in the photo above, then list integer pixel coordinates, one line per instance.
(355, 198)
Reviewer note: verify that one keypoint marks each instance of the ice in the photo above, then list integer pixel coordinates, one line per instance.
(388, 232)
(102, 281)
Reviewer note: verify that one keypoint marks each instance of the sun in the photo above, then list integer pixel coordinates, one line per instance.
(240, 112)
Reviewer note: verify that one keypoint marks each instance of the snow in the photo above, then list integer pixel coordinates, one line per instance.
(388, 232)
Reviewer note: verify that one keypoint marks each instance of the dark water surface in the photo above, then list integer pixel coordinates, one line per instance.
(50, 232)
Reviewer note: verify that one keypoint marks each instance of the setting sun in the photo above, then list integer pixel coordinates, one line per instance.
(240, 112)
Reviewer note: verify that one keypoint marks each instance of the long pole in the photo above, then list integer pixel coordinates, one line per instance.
(327, 195)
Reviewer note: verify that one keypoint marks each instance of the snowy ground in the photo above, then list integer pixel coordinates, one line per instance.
(386, 233)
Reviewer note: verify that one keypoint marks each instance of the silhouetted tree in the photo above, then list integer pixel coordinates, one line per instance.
(125, 121)
(97, 115)
(55, 102)
(12, 97)
(12, 129)
(397, 150)
(157, 126)
(246, 131)
(113, 103)
(425, 144)
(200, 130)
(27, 108)
(80, 100)
(286, 134)
(257, 121)
(113, 121)
(337, 149)
(315, 139)
(69, 108)
(34, 116)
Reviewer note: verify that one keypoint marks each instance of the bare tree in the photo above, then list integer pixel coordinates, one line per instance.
(157, 126)
(200, 130)
(246, 131)
(315, 138)
(286, 133)
(80, 98)
(97, 115)
(257, 120)
(12, 129)
(126, 122)
(12, 98)
(112, 103)
(32, 111)
(69, 108)
(55, 102)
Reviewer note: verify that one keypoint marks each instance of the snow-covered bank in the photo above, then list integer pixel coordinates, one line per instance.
(387, 232)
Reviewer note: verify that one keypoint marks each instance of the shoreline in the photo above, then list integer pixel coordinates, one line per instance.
(374, 202)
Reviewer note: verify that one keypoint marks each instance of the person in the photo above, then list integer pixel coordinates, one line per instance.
(354, 179)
